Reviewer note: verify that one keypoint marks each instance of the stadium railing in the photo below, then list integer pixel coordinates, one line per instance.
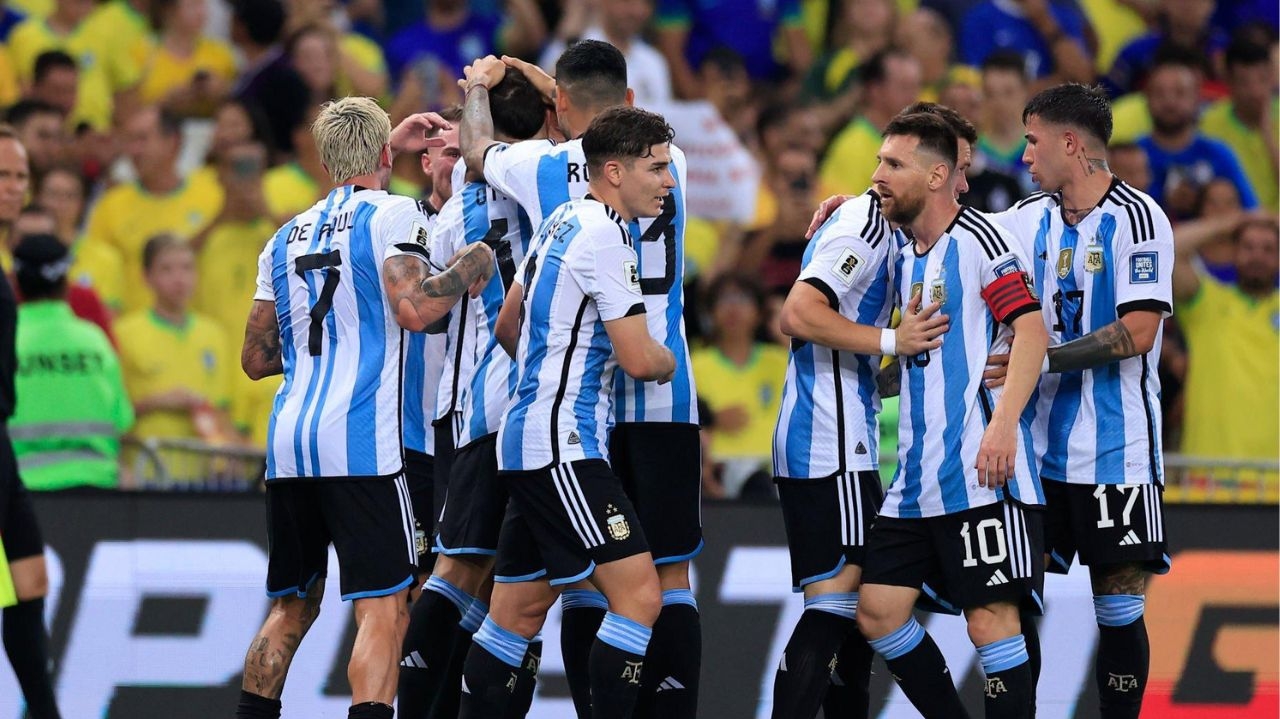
(1203, 480)
(191, 465)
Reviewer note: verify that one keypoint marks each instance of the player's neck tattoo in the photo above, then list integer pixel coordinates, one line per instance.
(1074, 215)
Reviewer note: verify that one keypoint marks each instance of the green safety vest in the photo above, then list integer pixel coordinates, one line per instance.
(72, 405)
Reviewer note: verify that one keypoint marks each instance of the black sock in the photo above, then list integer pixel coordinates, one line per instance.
(370, 710)
(253, 706)
(579, 623)
(448, 698)
(921, 670)
(1124, 656)
(486, 685)
(669, 689)
(27, 645)
(849, 695)
(526, 681)
(1008, 687)
(1031, 632)
(428, 642)
(807, 663)
(617, 666)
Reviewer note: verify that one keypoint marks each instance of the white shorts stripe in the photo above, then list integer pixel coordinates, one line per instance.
(575, 503)
(576, 487)
(570, 508)
(406, 516)
(859, 531)
(842, 501)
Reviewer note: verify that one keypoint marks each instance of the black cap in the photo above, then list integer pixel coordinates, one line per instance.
(40, 260)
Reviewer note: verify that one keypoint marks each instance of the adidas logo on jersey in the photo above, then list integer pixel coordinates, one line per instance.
(1130, 539)
(860, 449)
(669, 684)
(574, 438)
(414, 661)
(997, 579)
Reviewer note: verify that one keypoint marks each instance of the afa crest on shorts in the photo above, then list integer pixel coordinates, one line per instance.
(619, 528)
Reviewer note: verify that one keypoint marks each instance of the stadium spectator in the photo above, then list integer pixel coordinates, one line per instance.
(621, 23)
(1246, 120)
(55, 80)
(1231, 336)
(186, 71)
(1129, 162)
(174, 360)
(986, 189)
(267, 81)
(227, 268)
(40, 127)
(72, 405)
(927, 37)
(1049, 34)
(360, 67)
(863, 29)
(688, 30)
(96, 266)
(452, 34)
(293, 186)
(1116, 23)
(9, 18)
(161, 201)
(728, 86)
(313, 52)
(891, 80)
(1182, 24)
(739, 377)
(1005, 91)
(1182, 159)
(86, 304)
(775, 242)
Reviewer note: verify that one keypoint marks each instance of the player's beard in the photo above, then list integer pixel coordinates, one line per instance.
(903, 209)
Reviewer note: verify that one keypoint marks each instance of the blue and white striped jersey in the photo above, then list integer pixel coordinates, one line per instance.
(473, 401)
(541, 175)
(1099, 426)
(978, 274)
(423, 364)
(827, 421)
(581, 272)
(337, 413)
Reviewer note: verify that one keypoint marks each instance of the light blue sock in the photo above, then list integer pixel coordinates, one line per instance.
(583, 599)
(508, 647)
(474, 617)
(622, 633)
(841, 604)
(672, 597)
(440, 586)
(1004, 654)
(1118, 610)
(901, 641)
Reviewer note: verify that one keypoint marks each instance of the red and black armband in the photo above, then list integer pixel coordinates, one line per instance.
(1011, 296)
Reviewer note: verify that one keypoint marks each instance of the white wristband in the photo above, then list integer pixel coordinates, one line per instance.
(1044, 367)
(888, 342)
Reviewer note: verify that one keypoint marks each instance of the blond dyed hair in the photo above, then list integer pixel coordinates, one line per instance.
(350, 134)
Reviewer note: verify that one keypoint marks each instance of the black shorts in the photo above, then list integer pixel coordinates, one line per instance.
(369, 522)
(988, 554)
(476, 503)
(1105, 524)
(420, 475)
(18, 524)
(565, 520)
(444, 442)
(827, 521)
(660, 465)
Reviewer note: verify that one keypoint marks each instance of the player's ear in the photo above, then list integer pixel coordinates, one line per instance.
(939, 175)
(613, 170)
(630, 98)
(385, 156)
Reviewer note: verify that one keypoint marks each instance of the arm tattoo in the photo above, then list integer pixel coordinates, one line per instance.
(262, 341)
(1108, 344)
(476, 132)
(453, 282)
(890, 380)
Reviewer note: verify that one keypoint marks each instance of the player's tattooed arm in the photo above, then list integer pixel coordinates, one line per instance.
(476, 133)
(890, 380)
(420, 299)
(260, 357)
(1131, 335)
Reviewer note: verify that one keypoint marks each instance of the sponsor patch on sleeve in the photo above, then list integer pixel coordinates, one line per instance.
(847, 266)
(1008, 267)
(1143, 268)
(632, 274)
(419, 234)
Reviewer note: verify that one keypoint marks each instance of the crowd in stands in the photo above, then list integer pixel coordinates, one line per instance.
(168, 139)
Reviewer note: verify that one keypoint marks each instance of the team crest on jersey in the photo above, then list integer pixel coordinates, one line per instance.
(938, 291)
(1064, 262)
(419, 234)
(846, 267)
(1093, 258)
(632, 273)
(617, 524)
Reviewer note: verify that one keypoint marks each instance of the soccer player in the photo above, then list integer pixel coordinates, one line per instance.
(655, 445)
(582, 318)
(335, 286)
(826, 445)
(453, 604)
(25, 640)
(963, 505)
(1103, 256)
(426, 453)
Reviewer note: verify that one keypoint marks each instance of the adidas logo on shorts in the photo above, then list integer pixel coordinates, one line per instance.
(997, 579)
(669, 684)
(414, 660)
(1130, 539)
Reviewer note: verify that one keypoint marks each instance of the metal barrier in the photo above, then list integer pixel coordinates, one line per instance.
(190, 465)
(1201, 480)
